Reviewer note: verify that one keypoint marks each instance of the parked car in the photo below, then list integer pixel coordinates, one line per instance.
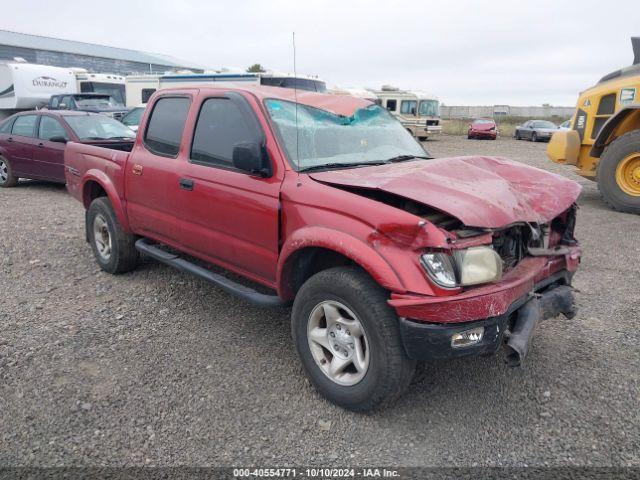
(388, 256)
(483, 128)
(535, 130)
(88, 102)
(133, 117)
(32, 144)
(565, 125)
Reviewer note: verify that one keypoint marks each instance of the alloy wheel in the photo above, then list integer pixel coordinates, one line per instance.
(338, 343)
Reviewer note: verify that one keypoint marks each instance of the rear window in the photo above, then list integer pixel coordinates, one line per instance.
(482, 122)
(165, 126)
(24, 126)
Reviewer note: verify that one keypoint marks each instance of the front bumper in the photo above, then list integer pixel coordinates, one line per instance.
(483, 133)
(432, 341)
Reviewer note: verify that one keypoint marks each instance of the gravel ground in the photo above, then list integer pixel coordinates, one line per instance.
(158, 368)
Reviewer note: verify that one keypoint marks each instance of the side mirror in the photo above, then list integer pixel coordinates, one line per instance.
(59, 139)
(248, 157)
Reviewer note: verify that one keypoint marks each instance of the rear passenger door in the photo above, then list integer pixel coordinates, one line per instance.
(48, 155)
(20, 145)
(230, 217)
(152, 171)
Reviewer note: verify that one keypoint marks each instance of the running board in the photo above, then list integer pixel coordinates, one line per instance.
(229, 286)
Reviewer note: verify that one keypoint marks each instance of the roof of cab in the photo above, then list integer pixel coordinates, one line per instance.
(344, 105)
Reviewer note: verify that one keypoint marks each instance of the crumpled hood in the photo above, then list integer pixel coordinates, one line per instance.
(489, 192)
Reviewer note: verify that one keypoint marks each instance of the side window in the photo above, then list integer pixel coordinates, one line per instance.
(146, 94)
(55, 101)
(391, 105)
(24, 126)
(165, 126)
(221, 125)
(5, 127)
(50, 127)
(408, 107)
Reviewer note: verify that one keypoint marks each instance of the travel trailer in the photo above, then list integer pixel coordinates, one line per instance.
(418, 112)
(139, 88)
(26, 86)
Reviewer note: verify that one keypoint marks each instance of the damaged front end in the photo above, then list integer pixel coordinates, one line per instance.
(522, 275)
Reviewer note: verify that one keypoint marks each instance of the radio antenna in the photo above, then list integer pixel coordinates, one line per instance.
(295, 96)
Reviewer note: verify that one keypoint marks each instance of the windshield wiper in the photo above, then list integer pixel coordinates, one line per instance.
(121, 138)
(95, 138)
(340, 165)
(404, 158)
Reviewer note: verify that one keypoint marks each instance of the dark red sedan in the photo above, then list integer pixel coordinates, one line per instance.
(483, 128)
(32, 143)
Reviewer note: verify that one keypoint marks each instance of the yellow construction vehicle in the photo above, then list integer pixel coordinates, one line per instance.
(604, 139)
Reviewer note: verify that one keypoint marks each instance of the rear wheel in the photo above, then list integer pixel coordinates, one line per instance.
(113, 248)
(7, 178)
(348, 340)
(619, 173)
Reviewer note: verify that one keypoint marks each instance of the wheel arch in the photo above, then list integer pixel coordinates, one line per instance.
(313, 249)
(97, 184)
(625, 120)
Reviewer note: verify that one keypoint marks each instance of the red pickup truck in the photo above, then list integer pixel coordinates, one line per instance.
(389, 257)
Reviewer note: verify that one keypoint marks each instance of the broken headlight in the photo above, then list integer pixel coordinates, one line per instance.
(471, 266)
(440, 268)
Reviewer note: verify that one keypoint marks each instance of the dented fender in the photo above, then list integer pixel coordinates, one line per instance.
(342, 243)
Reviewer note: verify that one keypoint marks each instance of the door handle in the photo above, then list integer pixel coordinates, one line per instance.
(41, 145)
(186, 184)
(9, 139)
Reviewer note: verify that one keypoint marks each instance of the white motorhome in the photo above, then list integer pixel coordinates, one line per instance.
(418, 112)
(25, 86)
(104, 83)
(139, 88)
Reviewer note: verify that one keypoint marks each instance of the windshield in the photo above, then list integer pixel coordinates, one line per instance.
(115, 90)
(100, 102)
(98, 127)
(482, 122)
(371, 134)
(133, 117)
(545, 125)
(429, 108)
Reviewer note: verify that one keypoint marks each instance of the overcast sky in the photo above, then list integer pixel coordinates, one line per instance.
(466, 53)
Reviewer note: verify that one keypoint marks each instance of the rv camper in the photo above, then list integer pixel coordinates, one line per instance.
(103, 83)
(26, 86)
(418, 112)
(139, 88)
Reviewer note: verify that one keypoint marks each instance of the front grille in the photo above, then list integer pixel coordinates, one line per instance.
(512, 243)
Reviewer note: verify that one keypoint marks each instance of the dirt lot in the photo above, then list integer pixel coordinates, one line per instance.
(156, 367)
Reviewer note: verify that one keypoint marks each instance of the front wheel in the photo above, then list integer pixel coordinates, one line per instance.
(423, 139)
(534, 137)
(618, 173)
(7, 178)
(113, 248)
(348, 340)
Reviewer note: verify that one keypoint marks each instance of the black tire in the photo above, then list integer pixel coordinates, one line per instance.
(6, 172)
(389, 371)
(423, 139)
(517, 135)
(610, 191)
(534, 137)
(469, 137)
(123, 256)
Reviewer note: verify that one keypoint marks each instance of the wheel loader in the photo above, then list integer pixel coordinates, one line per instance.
(604, 139)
